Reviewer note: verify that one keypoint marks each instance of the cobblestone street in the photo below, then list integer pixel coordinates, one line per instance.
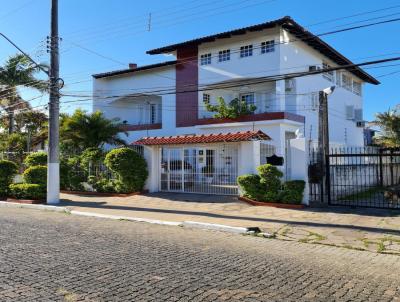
(47, 256)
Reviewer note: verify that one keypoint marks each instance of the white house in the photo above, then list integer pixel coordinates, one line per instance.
(187, 149)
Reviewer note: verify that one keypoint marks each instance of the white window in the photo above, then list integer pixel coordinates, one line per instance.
(329, 75)
(205, 59)
(350, 112)
(153, 113)
(224, 55)
(314, 101)
(267, 46)
(206, 98)
(314, 68)
(246, 51)
(248, 98)
(346, 81)
(357, 88)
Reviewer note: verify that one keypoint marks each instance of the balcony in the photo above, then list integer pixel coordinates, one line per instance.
(137, 112)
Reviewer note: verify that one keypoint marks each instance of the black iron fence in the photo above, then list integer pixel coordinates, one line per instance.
(361, 177)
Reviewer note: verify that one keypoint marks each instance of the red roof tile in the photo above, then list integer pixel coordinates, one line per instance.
(203, 138)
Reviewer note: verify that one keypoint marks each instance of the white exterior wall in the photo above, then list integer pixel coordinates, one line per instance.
(297, 56)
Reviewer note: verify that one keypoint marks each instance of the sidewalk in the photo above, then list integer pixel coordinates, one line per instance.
(366, 229)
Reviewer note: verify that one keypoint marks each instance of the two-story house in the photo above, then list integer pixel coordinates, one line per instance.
(188, 150)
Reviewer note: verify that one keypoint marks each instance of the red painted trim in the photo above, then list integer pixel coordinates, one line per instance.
(271, 204)
(83, 193)
(25, 201)
(187, 78)
(268, 116)
(141, 127)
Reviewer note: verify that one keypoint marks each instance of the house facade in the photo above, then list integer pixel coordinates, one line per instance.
(188, 150)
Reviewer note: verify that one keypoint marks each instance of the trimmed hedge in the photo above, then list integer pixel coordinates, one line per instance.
(251, 186)
(8, 170)
(36, 159)
(130, 168)
(93, 156)
(293, 191)
(267, 186)
(36, 175)
(71, 174)
(28, 191)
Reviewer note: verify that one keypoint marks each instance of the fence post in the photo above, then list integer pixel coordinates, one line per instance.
(391, 168)
(380, 168)
(328, 178)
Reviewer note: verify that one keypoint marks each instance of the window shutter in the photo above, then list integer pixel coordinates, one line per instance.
(358, 114)
(350, 112)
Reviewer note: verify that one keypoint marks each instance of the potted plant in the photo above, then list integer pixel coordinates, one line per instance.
(208, 172)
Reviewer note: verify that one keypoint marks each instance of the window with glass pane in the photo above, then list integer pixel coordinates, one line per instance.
(248, 98)
(268, 46)
(205, 59)
(224, 55)
(329, 75)
(346, 81)
(153, 113)
(246, 51)
(357, 87)
(206, 97)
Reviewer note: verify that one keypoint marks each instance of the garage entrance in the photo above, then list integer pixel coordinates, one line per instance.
(209, 169)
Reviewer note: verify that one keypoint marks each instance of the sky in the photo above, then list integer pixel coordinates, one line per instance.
(103, 35)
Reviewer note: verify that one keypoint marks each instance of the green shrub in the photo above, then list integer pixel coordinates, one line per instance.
(28, 191)
(36, 175)
(271, 180)
(130, 168)
(102, 184)
(293, 191)
(94, 156)
(8, 170)
(251, 186)
(71, 174)
(36, 159)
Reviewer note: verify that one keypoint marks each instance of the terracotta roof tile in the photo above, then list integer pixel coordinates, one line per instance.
(203, 138)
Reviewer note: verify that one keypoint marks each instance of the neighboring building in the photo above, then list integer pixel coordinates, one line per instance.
(370, 131)
(167, 99)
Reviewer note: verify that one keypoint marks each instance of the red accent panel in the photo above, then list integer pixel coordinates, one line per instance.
(254, 118)
(187, 79)
(140, 127)
(203, 138)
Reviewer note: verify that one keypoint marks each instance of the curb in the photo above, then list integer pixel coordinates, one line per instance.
(6, 204)
(185, 224)
(115, 217)
(215, 227)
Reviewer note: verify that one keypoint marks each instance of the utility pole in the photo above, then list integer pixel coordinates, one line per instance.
(53, 167)
(323, 139)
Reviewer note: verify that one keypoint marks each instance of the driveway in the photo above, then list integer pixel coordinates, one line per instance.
(367, 229)
(47, 256)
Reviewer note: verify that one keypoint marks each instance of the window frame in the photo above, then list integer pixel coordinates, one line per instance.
(267, 47)
(252, 94)
(224, 55)
(205, 59)
(329, 75)
(246, 51)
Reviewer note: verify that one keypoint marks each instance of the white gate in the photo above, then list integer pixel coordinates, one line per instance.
(210, 169)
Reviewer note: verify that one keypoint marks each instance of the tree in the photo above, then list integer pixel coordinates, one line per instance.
(389, 123)
(234, 109)
(17, 71)
(82, 130)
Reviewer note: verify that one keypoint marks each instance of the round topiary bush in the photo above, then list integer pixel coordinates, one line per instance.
(271, 179)
(36, 175)
(129, 167)
(251, 186)
(8, 170)
(36, 159)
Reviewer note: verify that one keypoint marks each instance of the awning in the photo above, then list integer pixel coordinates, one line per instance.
(203, 138)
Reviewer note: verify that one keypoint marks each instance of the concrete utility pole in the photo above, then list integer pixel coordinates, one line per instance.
(53, 167)
(323, 137)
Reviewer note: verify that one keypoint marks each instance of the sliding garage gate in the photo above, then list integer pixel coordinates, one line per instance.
(210, 169)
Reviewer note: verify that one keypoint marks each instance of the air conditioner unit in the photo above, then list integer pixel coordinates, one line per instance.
(360, 124)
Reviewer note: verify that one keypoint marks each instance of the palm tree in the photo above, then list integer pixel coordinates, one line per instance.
(389, 123)
(17, 71)
(82, 130)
